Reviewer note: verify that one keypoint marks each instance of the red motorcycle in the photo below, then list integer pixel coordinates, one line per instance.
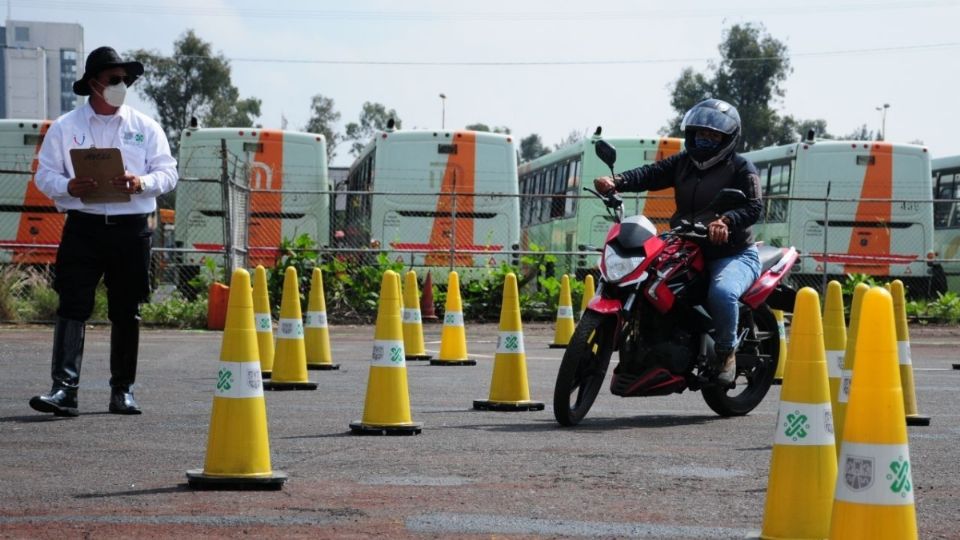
(649, 307)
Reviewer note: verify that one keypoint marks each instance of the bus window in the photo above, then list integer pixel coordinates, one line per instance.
(945, 210)
(777, 189)
(573, 183)
(559, 188)
(546, 186)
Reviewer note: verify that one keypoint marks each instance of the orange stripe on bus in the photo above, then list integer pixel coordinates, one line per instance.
(37, 227)
(266, 173)
(458, 177)
(662, 205)
(873, 241)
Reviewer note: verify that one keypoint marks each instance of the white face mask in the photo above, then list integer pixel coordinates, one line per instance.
(115, 94)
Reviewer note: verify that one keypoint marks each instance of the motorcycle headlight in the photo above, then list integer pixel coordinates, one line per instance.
(619, 267)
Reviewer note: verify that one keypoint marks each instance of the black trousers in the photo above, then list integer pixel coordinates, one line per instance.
(115, 248)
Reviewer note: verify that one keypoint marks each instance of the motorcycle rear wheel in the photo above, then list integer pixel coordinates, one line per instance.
(757, 379)
(583, 367)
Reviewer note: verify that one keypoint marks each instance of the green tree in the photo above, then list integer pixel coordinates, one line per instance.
(373, 117)
(573, 137)
(531, 147)
(752, 68)
(483, 127)
(322, 121)
(193, 82)
(861, 134)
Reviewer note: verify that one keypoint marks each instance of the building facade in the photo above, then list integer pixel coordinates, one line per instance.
(40, 62)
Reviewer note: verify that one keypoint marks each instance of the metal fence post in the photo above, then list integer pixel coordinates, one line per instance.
(227, 225)
(826, 233)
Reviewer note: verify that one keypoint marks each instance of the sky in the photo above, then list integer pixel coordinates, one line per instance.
(549, 67)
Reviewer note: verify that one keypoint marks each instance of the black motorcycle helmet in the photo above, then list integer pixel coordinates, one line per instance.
(714, 115)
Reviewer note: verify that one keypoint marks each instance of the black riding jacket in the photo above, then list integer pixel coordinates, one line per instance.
(695, 188)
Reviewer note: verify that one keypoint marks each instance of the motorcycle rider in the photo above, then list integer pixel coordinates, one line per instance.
(707, 165)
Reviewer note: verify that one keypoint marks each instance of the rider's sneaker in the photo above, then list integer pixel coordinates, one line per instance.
(728, 370)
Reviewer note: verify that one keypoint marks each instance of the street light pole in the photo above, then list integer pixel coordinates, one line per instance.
(443, 110)
(883, 120)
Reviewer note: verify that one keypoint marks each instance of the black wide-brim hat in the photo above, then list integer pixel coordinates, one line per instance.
(103, 58)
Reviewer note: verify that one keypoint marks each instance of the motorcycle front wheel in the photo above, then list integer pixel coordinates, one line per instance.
(583, 367)
(754, 379)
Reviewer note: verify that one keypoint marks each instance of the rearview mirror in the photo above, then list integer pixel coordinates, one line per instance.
(606, 152)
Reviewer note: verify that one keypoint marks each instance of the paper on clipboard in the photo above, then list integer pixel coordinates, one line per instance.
(103, 165)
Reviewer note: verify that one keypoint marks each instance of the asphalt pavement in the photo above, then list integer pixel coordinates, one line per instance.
(664, 467)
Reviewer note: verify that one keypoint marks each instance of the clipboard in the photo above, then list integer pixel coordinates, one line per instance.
(103, 165)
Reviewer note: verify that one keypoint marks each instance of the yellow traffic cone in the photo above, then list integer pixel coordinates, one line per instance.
(834, 338)
(803, 466)
(874, 497)
(453, 339)
(782, 359)
(588, 291)
(238, 446)
(564, 327)
(316, 336)
(412, 322)
(263, 321)
(906, 360)
(387, 407)
(846, 374)
(509, 390)
(290, 360)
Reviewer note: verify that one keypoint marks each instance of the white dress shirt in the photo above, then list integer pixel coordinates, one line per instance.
(142, 144)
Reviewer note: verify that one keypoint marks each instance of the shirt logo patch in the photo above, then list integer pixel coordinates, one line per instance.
(83, 139)
(132, 137)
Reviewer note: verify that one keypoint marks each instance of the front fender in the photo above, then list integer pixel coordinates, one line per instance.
(605, 306)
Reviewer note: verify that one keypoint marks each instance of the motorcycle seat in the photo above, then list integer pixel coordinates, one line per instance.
(769, 256)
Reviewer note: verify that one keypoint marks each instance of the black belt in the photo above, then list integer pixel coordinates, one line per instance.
(103, 219)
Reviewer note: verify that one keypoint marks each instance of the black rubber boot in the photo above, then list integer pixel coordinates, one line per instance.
(124, 345)
(68, 338)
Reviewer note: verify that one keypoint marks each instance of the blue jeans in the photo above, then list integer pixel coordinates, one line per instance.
(730, 277)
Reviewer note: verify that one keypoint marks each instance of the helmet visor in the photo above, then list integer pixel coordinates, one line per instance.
(708, 118)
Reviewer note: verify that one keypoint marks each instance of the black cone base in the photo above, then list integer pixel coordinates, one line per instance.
(453, 362)
(323, 367)
(275, 385)
(487, 405)
(197, 480)
(956, 366)
(266, 374)
(359, 428)
(918, 420)
(558, 345)
(777, 382)
(418, 357)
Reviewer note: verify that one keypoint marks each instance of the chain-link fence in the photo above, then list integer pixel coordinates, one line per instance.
(224, 219)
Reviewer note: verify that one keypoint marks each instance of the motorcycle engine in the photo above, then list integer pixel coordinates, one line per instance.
(676, 354)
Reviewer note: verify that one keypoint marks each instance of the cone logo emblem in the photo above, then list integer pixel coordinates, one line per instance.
(828, 421)
(263, 324)
(796, 425)
(901, 477)
(858, 472)
(225, 378)
(510, 343)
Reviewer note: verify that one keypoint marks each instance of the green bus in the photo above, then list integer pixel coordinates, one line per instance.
(557, 216)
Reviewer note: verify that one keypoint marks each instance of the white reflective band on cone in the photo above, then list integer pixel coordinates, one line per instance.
(263, 322)
(388, 353)
(411, 315)
(834, 364)
(903, 351)
(239, 380)
(290, 329)
(453, 318)
(874, 474)
(510, 342)
(565, 312)
(804, 424)
(846, 379)
(316, 319)
(782, 329)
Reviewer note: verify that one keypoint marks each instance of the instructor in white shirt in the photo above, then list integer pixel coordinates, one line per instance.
(102, 240)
